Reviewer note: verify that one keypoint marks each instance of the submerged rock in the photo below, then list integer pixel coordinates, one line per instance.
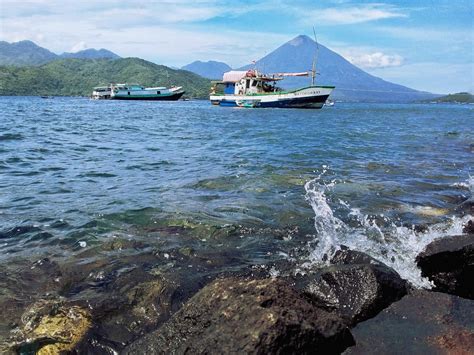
(21, 284)
(247, 316)
(449, 263)
(51, 327)
(357, 288)
(423, 322)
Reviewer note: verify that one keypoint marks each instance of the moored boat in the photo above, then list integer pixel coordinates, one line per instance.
(254, 87)
(138, 92)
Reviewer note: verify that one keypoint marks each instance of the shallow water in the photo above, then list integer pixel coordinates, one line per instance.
(112, 186)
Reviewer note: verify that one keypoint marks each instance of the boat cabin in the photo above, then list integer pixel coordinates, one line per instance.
(101, 92)
(248, 82)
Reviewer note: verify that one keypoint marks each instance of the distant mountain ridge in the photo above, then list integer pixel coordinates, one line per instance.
(352, 83)
(210, 69)
(25, 53)
(91, 53)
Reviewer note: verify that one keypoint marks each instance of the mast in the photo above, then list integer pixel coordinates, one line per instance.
(315, 59)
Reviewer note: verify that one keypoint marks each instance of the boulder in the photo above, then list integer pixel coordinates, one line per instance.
(423, 322)
(240, 315)
(50, 327)
(357, 288)
(449, 263)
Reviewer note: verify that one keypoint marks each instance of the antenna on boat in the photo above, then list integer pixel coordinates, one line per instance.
(315, 59)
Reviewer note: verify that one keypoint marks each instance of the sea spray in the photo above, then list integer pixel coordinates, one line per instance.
(378, 236)
(328, 226)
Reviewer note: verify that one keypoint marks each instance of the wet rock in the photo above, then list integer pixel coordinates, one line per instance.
(468, 228)
(466, 208)
(345, 256)
(423, 322)
(355, 291)
(449, 263)
(22, 283)
(247, 316)
(51, 327)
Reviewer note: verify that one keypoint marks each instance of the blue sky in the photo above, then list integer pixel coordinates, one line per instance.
(426, 45)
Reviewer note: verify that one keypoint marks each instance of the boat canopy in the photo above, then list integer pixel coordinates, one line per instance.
(234, 76)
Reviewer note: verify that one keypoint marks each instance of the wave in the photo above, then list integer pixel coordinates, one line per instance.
(378, 236)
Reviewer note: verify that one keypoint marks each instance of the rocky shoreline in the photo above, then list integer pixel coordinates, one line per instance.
(340, 308)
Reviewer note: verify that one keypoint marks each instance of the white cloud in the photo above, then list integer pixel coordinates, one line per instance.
(79, 46)
(427, 34)
(375, 60)
(354, 14)
(367, 57)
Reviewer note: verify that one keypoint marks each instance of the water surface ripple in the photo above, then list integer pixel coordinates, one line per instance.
(77, 175)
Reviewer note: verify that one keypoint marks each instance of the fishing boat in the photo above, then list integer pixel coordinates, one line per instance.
(252, 86)
(138, 92)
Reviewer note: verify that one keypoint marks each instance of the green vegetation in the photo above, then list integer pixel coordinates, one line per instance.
(77, 77)
(460, 97)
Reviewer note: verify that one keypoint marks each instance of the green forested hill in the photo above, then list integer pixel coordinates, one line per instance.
(79, 76)
(460, 97)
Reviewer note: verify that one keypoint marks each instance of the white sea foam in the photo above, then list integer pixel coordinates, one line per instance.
(394, 245)
(468, 184)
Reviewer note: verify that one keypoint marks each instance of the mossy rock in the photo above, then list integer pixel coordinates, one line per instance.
(50, 327)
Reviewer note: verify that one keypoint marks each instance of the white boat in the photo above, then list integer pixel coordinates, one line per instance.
(101, 93)
(138, 92)
(248, 86)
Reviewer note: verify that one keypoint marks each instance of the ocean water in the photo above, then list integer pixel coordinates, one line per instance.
(113, 186)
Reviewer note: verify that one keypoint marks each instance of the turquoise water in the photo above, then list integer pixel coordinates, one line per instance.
(120, 185)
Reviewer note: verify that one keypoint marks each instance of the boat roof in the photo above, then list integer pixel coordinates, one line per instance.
(234, 76)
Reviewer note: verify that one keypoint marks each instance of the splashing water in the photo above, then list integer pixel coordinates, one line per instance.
(394, 245)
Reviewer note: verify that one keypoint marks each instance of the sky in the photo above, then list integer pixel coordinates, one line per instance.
(424, 44)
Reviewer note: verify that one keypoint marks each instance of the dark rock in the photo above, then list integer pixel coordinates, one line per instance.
(449, 263)
(345, 256)
(469, 227)
(422, 322)
(237, 315)
(357, 292)
(466, 208)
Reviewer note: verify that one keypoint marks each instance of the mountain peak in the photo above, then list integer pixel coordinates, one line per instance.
(210, 69)
(24, 53)
(300, 40)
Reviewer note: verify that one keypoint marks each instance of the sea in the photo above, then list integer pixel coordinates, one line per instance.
(99, 190)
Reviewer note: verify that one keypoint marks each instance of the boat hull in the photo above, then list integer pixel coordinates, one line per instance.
(172, 97)
(312, 97)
